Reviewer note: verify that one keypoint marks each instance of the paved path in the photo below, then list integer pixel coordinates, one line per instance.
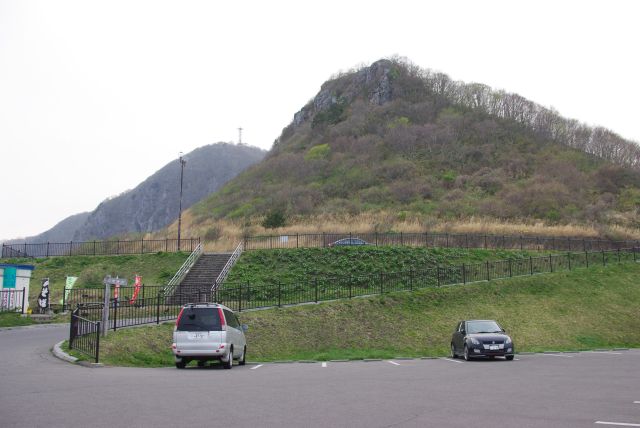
(564, 390)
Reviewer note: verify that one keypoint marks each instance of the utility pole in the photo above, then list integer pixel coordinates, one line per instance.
(239, 136)
(182, 163)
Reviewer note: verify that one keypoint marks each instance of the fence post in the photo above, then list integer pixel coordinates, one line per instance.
(426, 240)
(105, 309)
(158, 308)
(438, 274)
(569, 259)
(240, 297)
(488, 277)
(521, 245)
(464, 276)
(98, 343)
(447, 241)
(24, 292)
(531, 264)
(381, 283)
(142, 246)
(586, 257)
(115, 314)
(510, 272)
(47, 248)
(64, 298)
(485, 241)
(350, 283)
(70, 245)
(401, 240)
(551, 263)
(604, 263)
(279, 293)
(376, 235)
(411, 279)
(324, 241)
(166, 245)
(315, 280)
(297, 240)
(618, 254)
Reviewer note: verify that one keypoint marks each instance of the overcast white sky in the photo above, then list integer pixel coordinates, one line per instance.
(97, 96)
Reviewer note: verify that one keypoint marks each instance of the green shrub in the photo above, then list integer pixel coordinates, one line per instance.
(321, 151)
(274, 219)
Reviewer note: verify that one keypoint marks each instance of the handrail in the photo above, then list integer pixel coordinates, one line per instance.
(184, 269)
(227, 267)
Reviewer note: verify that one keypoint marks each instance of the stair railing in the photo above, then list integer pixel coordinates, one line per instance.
(227, 267)
(182, 272)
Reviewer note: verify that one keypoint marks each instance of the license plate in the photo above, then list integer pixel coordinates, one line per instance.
(195, 336)
(493, 347)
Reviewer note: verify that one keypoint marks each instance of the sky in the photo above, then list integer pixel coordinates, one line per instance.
(96, 96)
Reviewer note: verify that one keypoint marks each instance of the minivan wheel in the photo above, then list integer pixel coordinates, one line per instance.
(243, 360)
(467, 357)
(509, 357)
(181, 364)
(453, 352)
(229, 364)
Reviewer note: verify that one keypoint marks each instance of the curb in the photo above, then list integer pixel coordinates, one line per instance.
(59, 353)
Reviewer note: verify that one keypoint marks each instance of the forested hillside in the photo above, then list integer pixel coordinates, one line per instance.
(392, 136)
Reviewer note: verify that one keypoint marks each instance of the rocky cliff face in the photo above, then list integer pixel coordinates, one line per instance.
(374, 81)
(154, 203)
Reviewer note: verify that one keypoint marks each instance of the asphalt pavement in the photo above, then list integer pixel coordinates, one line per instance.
(587, 389)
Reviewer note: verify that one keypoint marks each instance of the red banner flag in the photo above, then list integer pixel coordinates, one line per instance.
(136, 289)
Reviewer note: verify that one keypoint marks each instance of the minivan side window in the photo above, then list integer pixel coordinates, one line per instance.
(231, 319)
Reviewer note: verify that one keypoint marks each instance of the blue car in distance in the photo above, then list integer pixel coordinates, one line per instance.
(349, 242)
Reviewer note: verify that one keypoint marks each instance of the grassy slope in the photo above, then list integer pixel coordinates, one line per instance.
(297, 265)
(156, 269)
(586, 308)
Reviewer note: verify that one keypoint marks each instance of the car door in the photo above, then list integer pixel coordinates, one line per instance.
(459, 337)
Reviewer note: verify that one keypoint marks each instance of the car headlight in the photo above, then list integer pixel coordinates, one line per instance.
(474, 341)
(507, 341)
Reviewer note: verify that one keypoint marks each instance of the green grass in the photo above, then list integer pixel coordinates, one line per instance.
(13, 319)
(590, 308)
(156, 269)
(298, 265)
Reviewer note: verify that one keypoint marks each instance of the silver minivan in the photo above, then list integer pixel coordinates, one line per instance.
(208, 331)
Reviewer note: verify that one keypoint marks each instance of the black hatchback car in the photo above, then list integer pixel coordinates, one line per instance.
(481, 338)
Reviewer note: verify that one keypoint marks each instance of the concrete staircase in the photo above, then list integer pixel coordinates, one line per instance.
(196, 285)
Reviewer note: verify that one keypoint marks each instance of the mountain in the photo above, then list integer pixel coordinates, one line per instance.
(154, 203)
(394, 137)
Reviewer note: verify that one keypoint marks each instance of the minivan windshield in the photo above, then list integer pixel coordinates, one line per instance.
(483, 327)
(199, 319)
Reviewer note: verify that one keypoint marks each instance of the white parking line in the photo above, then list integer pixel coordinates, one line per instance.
(453, 361)
(558, 355)
(324, 364)
(257, 367)
(604, 352)
(623, 424)
(393, 362)
(636, 402)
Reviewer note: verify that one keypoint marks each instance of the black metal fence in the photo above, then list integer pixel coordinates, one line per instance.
(98, 248)
(438, 240)
(150, 306)
(84, 334)
(12, 300)
(253, 296)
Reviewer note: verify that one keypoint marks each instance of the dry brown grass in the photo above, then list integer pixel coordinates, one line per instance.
(231, 232)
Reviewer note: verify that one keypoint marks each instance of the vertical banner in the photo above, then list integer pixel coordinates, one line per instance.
(136, 289)
(71, 280)
(43, 297)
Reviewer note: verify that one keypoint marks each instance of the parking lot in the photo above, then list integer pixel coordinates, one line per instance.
(586, 389)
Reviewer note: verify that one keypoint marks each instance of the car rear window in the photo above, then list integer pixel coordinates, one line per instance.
(199, 319)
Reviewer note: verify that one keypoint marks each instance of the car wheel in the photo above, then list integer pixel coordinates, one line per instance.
(181, 364)
(243, 360)
(467, 357)
(453, 352)
(229, 364)
(509, 357)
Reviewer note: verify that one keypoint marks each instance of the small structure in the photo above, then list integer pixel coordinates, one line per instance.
(14, 287)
